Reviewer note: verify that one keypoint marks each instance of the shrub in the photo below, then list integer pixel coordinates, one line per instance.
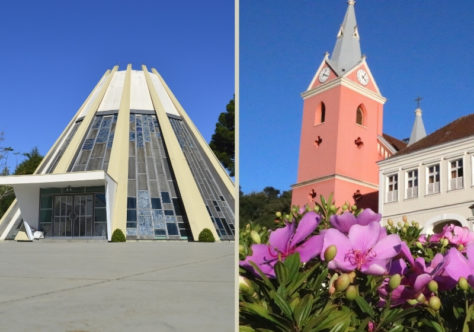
(118, 236)
(206, 236)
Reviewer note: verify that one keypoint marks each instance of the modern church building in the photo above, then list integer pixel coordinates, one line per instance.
(130, 159)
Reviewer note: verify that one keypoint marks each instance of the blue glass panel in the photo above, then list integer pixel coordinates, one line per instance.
(110, 142)
(139, 138)
(132, 136)
(131, 203)
(132, 231)
(131, 224)
(165, 197)
(156, 203)
(172, 229)
(177, 206)
(160, 232)
(143, 199)
(169, 213)
(96, 123)
(131, 215)
(103, 135)
(226, 226)
(170, 219)
(99, 200)
(158, 219)
(132, 117)
(145, 225)
(88, 143)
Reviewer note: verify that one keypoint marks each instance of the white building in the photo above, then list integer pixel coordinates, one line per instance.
(431, 181)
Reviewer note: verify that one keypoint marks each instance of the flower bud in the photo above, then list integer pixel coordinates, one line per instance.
(352, 276)
(412, 302)
(333, 209)
(400, 224)
(255, 237)
(394, 281)
(247, 227)
(463, 283)
(433, 286)
(444, 242)
(351, 292)
(344, 207)
(421, 298)
(390, 222)
(294, 209)
(434, 303)
(405, 219)
(461, 247)
(354, 207)
(342, 282)
(244, 285)
(316, 208)
(419, 244)
(241, 249)
(330, 253)
(404, 230)
(287, 217)
(278, 214)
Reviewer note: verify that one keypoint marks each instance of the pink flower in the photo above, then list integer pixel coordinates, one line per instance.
(456, 235)
(365, 248)
(344, 222)
(284, 242)
(458, 266)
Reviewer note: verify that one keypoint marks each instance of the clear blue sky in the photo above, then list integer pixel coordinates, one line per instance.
(53, 53)
(413, 48)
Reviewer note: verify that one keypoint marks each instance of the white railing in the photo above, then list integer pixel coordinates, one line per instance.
(433, 188)
(412, 192)
(392, 196)
(456, 183)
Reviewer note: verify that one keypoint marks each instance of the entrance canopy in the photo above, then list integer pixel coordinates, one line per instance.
(27, 191)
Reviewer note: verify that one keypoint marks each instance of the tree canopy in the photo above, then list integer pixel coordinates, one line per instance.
(223, 139)
(260, 207)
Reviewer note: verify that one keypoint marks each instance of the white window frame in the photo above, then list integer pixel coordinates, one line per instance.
(434, 187)
(392, 195)
(412, 176)
(454, 180)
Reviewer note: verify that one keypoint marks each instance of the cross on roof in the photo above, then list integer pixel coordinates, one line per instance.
(418, 100)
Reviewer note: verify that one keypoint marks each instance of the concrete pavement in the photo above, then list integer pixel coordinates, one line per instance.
(81, 286)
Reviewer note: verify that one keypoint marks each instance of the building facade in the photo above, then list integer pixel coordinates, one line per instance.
(341, 132)
(130, 159)
(432, 180)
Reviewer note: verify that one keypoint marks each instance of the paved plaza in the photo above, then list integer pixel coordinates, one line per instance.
(80, 286)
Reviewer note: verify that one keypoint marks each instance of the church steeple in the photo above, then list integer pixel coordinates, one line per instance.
(418, 131)
(346, 53)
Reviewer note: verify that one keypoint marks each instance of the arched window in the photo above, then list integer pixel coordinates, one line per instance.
(360, 115)
(320, 115)
(438, 227)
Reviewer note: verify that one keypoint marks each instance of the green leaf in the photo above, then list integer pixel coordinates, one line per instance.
(283, 305)
(292, 264)
(364, 306)
(265, 279)
(244, 328)
(303, 309)
(396, 328)
(281, 273)
(261, 311)
(339, 327)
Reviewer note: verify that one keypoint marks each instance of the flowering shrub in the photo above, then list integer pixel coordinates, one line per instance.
(333, 269)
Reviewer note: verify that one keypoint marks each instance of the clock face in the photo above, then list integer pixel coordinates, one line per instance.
(324, 74)
(363, 77)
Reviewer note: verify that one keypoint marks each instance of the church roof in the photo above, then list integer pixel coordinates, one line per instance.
(418, 131)
(346, 53)
(460, 128)
(395, 142)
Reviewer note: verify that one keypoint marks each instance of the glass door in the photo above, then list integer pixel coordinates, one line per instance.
(73, 216)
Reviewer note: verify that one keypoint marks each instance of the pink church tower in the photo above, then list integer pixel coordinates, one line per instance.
(341, 131)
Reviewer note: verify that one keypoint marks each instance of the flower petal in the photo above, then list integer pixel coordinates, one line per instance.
(334, 237)
(388, 247)
(456, 265)
(310, 248)
(421, 281)
(280, 238)
(262, 257)
(367, 216)
(377, 267)
(306, 226)
(343, 222)
(364, 237)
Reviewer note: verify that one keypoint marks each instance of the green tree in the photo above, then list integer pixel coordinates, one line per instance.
(28, 166)
(223, 139)
(260, 207)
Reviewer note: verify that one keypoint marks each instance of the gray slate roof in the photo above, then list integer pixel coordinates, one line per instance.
(418, 131)
(346, 53)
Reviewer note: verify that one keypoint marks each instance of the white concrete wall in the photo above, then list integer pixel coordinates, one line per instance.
(113, 95)
(139, 96)
(427, 209)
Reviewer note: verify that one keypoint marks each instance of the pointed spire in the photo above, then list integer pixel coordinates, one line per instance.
(418, 131)
(346, 53)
